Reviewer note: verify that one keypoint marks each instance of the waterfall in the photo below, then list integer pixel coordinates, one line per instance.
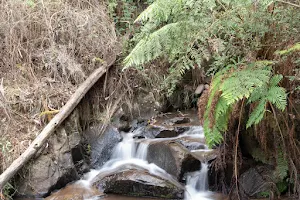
(197, 184)
(131, 151)
(142, 151)
(126, 149)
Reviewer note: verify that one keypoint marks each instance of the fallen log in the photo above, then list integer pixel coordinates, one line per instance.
(64, 112)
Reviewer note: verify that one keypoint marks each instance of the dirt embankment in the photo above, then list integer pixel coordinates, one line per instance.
(47, 48)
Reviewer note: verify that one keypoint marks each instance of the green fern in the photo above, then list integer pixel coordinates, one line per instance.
(281, 170)
(269, 92)
(253, 82)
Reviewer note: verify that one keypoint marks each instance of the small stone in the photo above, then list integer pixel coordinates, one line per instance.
(206, 87)
(199, 89)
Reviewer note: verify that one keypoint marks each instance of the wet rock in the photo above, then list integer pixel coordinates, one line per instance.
(102, 144)
(56, 164)
(171, 156)
(132, 182)
(76, 192)
(256, 180)
(171, 124)
(193, 143)
(205, 155)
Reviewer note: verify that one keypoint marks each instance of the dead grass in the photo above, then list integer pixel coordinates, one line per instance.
(47, 48)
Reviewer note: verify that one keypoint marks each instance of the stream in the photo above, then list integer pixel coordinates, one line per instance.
(131, 155)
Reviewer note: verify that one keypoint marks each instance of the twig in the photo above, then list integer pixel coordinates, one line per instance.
(236, 149)
(286, 2)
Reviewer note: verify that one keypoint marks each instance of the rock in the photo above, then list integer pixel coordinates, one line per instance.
(76, 192)
(199, 89)
(206, 87)
(132, 182)
(256, 180)
(171, 157)
(193, 143)
(171, 124)
(58, 163)
(205, 155)
(102, 145)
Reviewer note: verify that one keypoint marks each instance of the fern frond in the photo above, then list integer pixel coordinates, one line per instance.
(281, 170)
(275, 80)
(277, 96)
(165, 39)
(160, 11)
(242, 83)
(257, 114)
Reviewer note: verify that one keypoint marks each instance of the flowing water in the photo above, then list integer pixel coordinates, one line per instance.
(134, 152)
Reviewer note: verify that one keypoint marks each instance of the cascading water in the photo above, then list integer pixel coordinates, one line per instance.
(132, 151)
(197, 184)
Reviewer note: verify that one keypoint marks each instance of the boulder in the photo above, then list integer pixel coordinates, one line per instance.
(59, 162)
(171, 125)
(172, 156)
(193, 143)
(76, 192)
(205, 155)
(134, 182)
(102, 144)
(255, 181)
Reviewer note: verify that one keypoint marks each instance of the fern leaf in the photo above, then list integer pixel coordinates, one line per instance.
(277, 96)
(257, 114)
(275, 80)
(160, 11)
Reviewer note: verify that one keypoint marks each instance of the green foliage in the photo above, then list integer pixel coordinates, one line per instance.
(264, 194)
(123, 13)
(294, 48)
(189, 32)
(281, 170)
(269, 92)
(8, 191)
(227, 34)
(236, 82)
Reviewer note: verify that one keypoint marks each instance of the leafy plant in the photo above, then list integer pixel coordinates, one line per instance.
(234, 83)
(187, 33)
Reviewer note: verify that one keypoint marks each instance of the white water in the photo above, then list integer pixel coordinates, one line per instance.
(128, 153)
(197, 185)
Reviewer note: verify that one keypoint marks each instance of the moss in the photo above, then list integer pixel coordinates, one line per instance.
(264, 194)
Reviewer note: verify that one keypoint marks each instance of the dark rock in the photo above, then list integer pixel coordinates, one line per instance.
(171, 124)
(132, 182)
(167, 134)
(171, 156)
(54, 166)
(102, 145)
(256, 180)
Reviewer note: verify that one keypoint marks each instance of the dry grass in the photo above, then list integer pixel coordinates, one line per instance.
(47, 48)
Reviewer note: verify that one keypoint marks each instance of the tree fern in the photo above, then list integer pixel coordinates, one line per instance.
(253, 82)
(269, 92)
(187, 32)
